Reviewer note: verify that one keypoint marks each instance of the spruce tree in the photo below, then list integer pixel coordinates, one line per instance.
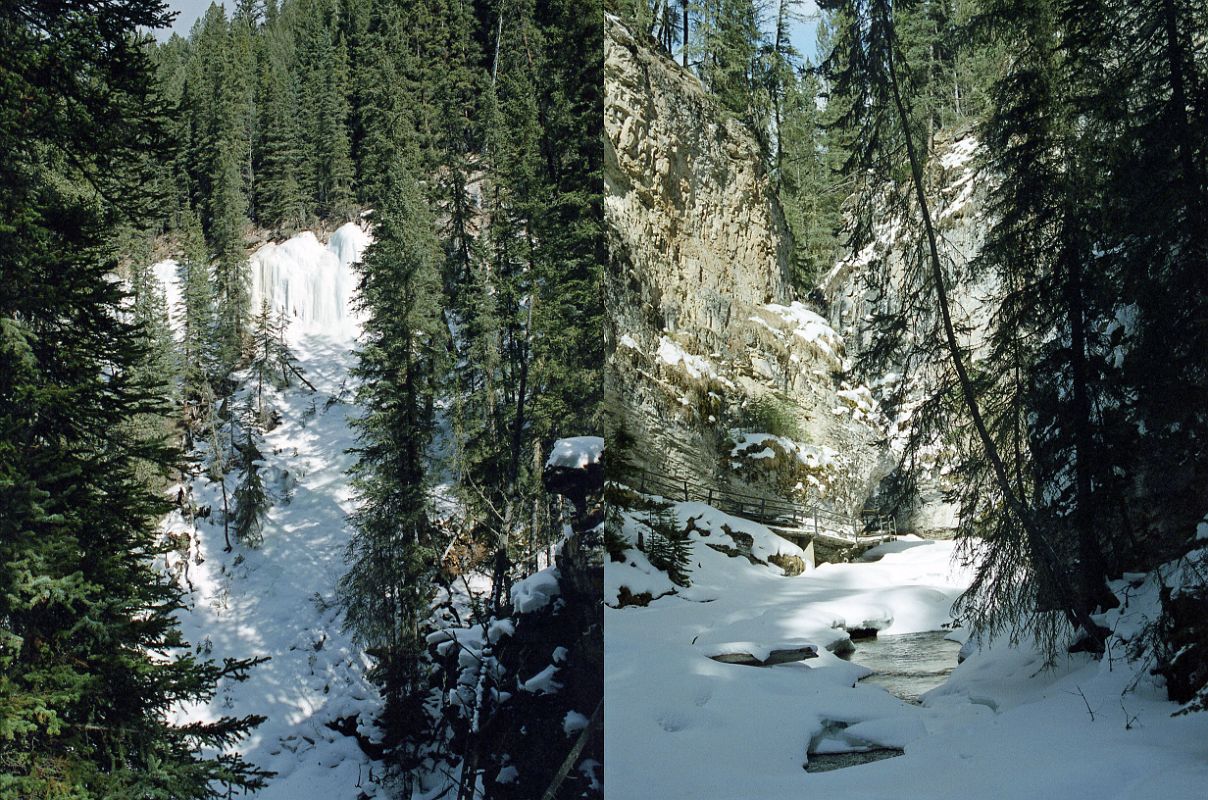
(281, 201)
(157, 368)
(251, 500)
(392, 554)
(196, 312)
(1031, 495)
(232, 292)
(516, 195)
(380, 122)
(808, 185)
(333, 153)
(91, 659)
(730, 44)
(270, 360)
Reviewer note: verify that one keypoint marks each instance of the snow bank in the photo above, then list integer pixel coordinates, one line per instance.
(706, 526)
(536, 591)
(681, 725)
(278, 600)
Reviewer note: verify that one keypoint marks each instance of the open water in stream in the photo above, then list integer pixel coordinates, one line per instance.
(907, 665)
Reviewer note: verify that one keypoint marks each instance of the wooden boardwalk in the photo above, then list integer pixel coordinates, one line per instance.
(797, 522)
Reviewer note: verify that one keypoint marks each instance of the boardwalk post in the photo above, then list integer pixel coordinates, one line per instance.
(762, 504)
(686, 498)
(710, 495)
(815, 523)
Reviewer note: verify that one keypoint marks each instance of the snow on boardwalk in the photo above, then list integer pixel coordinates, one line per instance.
(681, 725)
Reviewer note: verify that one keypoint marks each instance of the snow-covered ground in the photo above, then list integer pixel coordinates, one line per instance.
(681, 725)
(278, 599)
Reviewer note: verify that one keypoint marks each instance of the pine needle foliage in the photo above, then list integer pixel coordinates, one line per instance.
(392, 554)
(91, 659)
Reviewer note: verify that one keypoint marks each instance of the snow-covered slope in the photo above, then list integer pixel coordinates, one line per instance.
(1003, 726)
(277, 600)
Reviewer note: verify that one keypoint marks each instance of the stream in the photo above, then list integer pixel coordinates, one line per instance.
(906, 665)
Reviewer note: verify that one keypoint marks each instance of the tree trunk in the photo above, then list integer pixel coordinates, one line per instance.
(1041, 549)
(1178, 105)
(1092, 586)
(684, 52)
(226, 516)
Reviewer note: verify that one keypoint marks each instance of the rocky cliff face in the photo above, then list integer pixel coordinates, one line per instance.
(714, 372)
(876, 281)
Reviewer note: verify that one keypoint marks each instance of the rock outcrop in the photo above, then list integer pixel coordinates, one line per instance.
(883, 278)
(714, 372)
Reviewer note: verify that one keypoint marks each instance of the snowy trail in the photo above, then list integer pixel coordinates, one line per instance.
(681, 725)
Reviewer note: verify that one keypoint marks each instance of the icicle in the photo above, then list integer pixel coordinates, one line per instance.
(313, 284)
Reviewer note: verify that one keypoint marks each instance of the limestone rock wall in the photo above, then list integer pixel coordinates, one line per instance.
(714, 373)
(957, 194)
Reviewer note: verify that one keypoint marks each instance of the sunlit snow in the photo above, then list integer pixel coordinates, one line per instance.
(278, 600)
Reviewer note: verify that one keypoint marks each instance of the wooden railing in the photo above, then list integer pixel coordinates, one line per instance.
(771, 511)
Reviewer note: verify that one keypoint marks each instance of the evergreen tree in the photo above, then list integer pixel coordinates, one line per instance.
(271, 361)
(380, 122)
(668, 547)
(280, 197)
(1144, 67)
(91, 658)
(516, 195)
(392, 554)
(196, 312)
(781, 61)
(157, 368)
(730, 45)
(251, 501)
(808, 184)
(568, 316)
(333, 156)
(1042, 366)
(232, 292)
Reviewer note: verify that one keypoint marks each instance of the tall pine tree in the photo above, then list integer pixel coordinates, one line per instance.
(91, 660)
(392, 554)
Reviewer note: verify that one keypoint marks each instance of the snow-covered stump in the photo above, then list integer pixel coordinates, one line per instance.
(546, 739)
(575, 470)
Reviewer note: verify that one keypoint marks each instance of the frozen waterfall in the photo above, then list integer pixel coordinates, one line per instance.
(312, 283)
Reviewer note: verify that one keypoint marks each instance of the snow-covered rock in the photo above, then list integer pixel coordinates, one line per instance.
(576, 452)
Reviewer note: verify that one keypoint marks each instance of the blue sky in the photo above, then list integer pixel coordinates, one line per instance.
(189, 10)
(805, 34)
